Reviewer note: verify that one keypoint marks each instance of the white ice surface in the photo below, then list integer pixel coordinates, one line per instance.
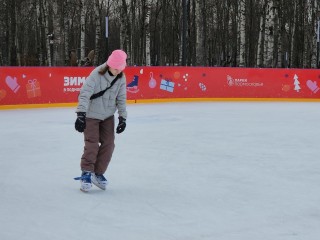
(180, 171)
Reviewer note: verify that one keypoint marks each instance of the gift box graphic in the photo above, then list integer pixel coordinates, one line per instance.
(167, 85)
(33, 88)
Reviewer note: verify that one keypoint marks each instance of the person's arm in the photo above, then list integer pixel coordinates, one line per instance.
(122, 98)
(85, 93)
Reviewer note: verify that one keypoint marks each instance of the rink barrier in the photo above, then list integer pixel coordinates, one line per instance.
(42, 87)
(154, 101)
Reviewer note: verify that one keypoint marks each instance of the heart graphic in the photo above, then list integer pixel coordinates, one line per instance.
(3, 94)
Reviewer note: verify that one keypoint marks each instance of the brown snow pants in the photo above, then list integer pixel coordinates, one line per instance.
(98, 145)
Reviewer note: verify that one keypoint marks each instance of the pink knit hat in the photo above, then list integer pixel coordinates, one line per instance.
(117, 60)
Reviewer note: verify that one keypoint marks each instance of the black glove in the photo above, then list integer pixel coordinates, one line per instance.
(122, 125)
(80, 124)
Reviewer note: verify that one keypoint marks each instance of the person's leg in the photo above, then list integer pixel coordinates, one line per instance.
(107, 145)
(91, 146)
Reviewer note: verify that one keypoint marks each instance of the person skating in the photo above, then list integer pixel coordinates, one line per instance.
(102, 94)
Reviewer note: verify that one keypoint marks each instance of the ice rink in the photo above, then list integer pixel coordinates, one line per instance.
(180, 171)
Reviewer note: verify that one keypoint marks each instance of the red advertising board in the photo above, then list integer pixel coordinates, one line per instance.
(52, 85)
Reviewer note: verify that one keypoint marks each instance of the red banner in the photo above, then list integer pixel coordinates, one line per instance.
(45, 85)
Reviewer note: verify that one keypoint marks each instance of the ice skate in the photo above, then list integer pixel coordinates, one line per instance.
(99, 180)
(85, 181)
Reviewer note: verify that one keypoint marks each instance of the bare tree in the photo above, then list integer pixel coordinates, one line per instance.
(200, 35)
(310, 36)
(58, 33)
(83, 10)
(45, 5)
(97, 33)
(261, 41)
(12, 57)
(66, 30)
(147, 29)
(125, 30)
(247, 33)
(242, 33)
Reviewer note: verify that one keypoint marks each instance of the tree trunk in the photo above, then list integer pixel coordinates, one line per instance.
(242, 33)
(261, 41)
(314, 34)
(200, 34)
(281, 36)
(66, 27)
(58, 34)
(12, 33)
(48, 35)
(310, 45)
(147, 31)
(133, 8)
(123, 30)
(17, 43)
(82, 31)
(275, 23)
(97, 33)
(297, 37)
(39, 35)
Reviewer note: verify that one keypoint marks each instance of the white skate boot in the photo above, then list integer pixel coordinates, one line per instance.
(99, 180)
(85, 181)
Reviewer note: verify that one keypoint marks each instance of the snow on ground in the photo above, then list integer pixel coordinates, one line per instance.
(180, 171)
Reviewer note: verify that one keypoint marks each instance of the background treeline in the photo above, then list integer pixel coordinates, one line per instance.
(244, 33)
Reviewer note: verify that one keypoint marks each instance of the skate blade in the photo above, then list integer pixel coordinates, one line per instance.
(85, 191)
(97, 185)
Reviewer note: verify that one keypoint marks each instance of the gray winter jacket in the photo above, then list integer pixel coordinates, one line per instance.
(105, 106)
